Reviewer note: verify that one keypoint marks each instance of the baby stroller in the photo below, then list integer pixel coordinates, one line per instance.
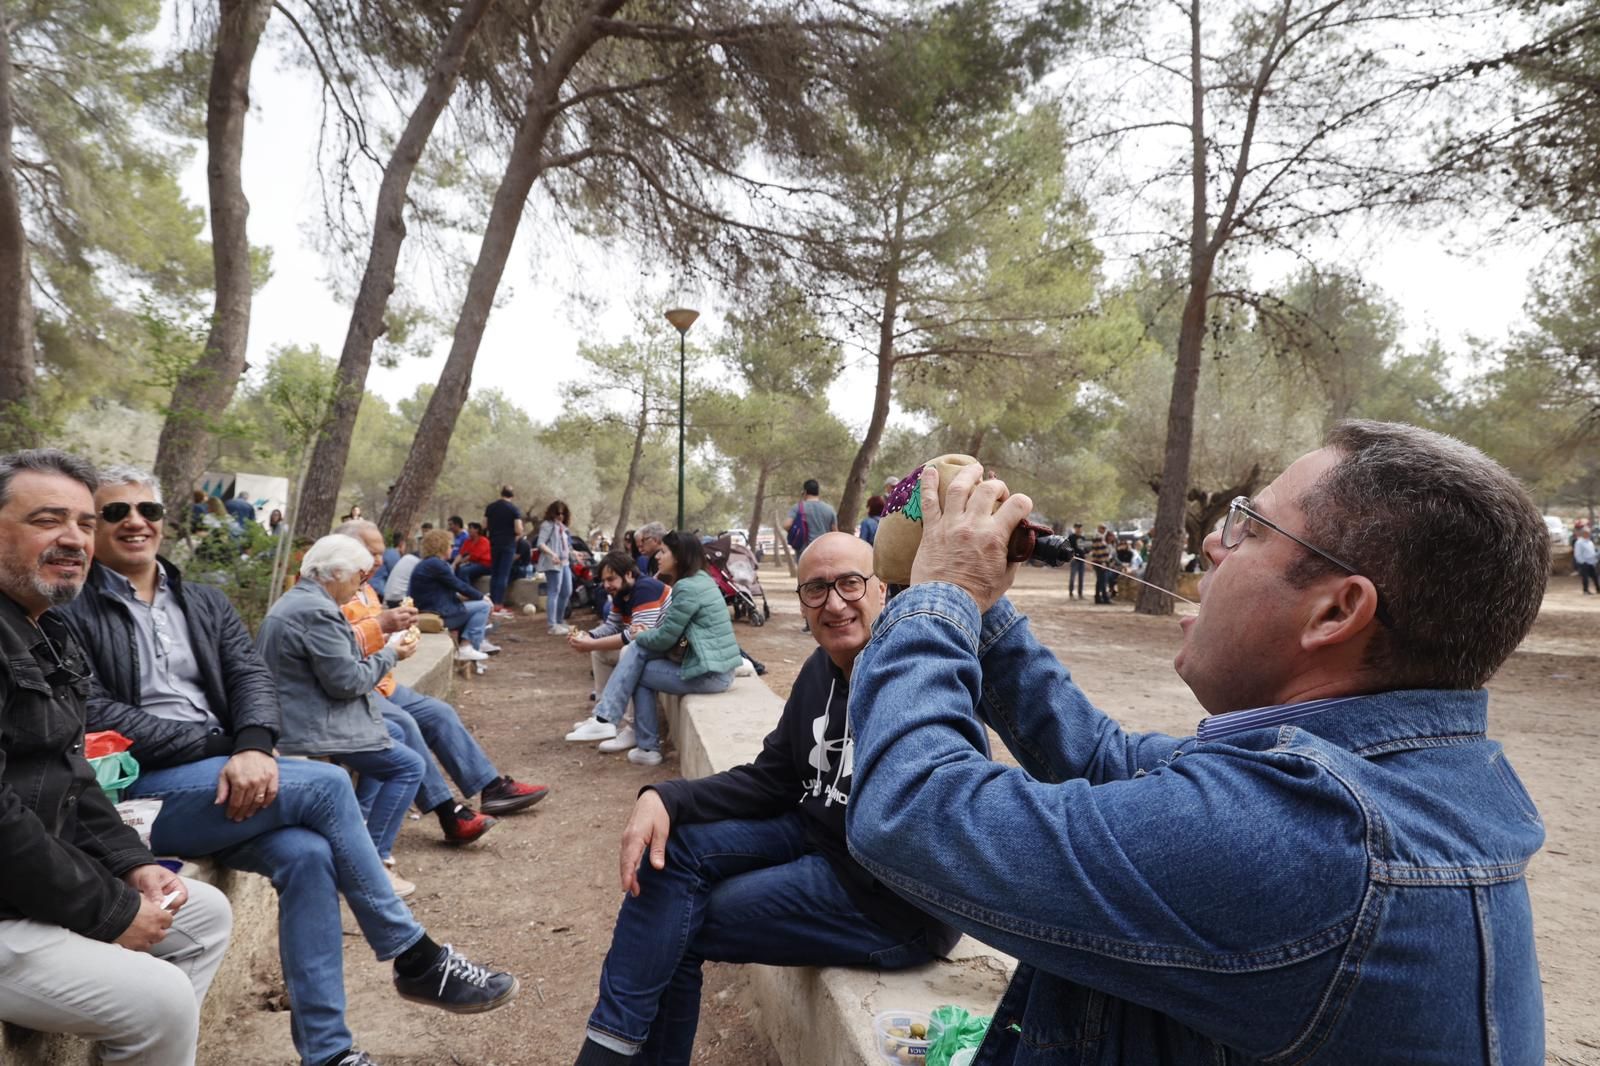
(733, 567)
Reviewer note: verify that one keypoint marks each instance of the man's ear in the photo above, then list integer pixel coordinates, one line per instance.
(1345, 612)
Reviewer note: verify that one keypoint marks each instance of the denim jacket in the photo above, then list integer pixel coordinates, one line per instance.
(1348, 889)
(324, 682)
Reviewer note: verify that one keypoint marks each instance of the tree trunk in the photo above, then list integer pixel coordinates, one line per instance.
(426, 459)
(204, 390)
(856, 482)
(17, 358)
(325, 474)
(1166, 546)
(753, 534)
(633, 462)
(976, 442)
(781, 545)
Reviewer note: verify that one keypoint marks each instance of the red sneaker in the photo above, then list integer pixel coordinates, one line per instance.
(505, 796)
(466, 825)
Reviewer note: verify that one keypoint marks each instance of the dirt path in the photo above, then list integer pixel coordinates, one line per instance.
(539, 895)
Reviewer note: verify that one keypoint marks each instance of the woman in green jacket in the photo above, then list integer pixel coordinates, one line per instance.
(692, 650)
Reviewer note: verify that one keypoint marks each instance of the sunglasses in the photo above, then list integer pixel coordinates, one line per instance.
(148, 510)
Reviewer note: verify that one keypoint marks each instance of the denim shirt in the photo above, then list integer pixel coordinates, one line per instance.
(1348, 888)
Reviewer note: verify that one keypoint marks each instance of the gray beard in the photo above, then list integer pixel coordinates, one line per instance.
(14, 579)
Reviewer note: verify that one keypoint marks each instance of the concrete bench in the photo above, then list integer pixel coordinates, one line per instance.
(251, 967)
(522, 590)
(822, 1016)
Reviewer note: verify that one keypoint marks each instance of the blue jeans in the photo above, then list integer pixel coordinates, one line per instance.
(429, 725)
(388, 785)
(638, 677)
(502, 556)
(557, 592)
(312, 843)
(1102, 585)
(1075, 577)
(731, 891)
(471, 617)
(471, 572)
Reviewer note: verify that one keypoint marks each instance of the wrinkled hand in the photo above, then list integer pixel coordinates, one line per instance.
(397, 618)
(405, 649)
(149, 927)
(964, 539)
(248, 782)
(647, 827)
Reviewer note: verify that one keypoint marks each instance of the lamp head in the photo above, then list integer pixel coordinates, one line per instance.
(682, 318)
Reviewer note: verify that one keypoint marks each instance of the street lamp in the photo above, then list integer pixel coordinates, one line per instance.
(681, 318)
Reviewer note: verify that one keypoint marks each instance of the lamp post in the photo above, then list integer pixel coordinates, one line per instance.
(681, 318)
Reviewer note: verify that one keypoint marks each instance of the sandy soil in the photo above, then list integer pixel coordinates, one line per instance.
(540, 894)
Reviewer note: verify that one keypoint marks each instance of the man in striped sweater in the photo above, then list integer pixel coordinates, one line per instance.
(637, 602)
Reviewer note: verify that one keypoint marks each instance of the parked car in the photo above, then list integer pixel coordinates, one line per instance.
(1560, 534)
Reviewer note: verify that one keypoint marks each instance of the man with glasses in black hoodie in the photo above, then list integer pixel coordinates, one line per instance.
(750, 865)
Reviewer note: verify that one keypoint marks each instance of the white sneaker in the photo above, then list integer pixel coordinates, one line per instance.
(560, 631)
(487, 648)
(621, 742)
(593, 729)
(467, 653)
(402, 887)
(641, 757)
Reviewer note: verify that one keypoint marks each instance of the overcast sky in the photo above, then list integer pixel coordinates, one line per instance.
(531, 339)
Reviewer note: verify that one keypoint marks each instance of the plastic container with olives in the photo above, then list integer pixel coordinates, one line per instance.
(903, 1036)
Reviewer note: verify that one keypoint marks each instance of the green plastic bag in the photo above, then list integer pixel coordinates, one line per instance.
(959, 1031)
(115, 772)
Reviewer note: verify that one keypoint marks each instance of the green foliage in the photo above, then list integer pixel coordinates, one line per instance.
(110, 232)
(238, 563)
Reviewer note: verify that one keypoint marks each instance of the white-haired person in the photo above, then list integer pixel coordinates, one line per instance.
(325, 686)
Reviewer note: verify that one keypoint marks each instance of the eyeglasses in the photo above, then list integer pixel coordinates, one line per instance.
(66, 669)
(148, 510)
(1236, 526)
(850, 587)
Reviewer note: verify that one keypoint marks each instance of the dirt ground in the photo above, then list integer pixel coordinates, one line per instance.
(539, 895)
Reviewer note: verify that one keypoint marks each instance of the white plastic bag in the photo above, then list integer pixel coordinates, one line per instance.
(141, 815)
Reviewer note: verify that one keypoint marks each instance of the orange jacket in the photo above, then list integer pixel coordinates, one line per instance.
(362, 611)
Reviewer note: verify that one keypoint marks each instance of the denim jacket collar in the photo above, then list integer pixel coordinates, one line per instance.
(1388, 721)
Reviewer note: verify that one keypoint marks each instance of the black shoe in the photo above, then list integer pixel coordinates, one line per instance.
(355, 1058)
(504, 796)
(458, 986)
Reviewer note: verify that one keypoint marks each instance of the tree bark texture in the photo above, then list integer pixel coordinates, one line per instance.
(633, 463)
(1166, 547)
(426, 459)
(18, 364)
(753, 534)
(320, 501)
(856, 482)
(204, 390)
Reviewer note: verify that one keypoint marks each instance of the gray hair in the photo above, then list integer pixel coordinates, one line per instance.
(1417, 513)
(335, 556)
(45, 461)
(355, 527)
(654, 530)
(126, 474)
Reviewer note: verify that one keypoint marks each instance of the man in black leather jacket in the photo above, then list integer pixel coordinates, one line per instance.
(95, 937)
(177, 673)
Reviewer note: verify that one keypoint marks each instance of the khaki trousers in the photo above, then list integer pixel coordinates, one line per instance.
(142, 1008)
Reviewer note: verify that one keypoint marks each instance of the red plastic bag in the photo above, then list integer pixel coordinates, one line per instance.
(106, 742)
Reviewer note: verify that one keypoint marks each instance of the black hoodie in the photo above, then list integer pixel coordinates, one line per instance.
(806, 760)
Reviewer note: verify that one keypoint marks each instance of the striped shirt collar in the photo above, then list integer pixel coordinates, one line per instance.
(1218, 726)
